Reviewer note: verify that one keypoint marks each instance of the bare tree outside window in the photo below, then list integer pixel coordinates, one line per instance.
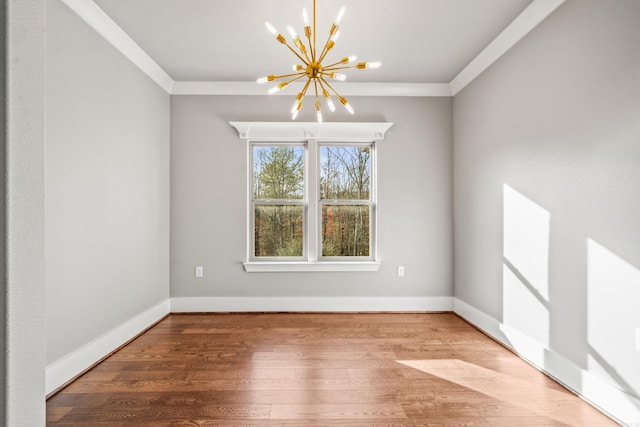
(345, 193)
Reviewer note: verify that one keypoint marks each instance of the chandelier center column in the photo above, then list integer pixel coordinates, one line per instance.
(314, 70)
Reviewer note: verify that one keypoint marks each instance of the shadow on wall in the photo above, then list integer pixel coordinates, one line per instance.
(613, 300)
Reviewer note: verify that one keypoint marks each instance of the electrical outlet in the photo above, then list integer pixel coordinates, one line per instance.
(199, 271)
(401, 271)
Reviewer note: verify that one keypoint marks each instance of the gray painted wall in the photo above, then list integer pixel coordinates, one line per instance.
(107, 186)
(209, 199)
(24, 239)
(556, 254)
(3, 211)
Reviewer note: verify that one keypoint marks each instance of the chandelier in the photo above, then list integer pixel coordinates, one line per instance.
(311, 68)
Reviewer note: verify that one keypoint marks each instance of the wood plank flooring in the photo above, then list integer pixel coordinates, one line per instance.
(316, 370)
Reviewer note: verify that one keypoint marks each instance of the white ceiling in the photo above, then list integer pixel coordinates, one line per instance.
(418, 41)
(219, 47)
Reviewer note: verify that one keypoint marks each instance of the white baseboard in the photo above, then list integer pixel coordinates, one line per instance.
(607, 397)
(313, 304)
(63, 370)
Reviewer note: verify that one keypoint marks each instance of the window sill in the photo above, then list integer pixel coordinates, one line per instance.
(321, 266)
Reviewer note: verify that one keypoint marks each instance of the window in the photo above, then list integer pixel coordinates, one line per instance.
(346, 203)
(282, 185)
(278, 201)
(311, 203)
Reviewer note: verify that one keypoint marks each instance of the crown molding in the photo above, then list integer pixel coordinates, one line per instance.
(97, 19)
(531, 17)
(346, 89)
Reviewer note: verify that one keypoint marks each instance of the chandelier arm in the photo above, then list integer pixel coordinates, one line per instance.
(330, 87)
(306, 86)
(284, 84)
(304, 51)
(322, 85)
(284, 76)
(311, 49)
(296, 53)
(333, 68)
(337, 63)
(326, 49)
(296, 79)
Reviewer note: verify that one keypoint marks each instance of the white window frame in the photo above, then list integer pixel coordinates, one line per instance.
(312, 135)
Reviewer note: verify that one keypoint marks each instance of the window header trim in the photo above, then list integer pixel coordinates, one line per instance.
(302, 131)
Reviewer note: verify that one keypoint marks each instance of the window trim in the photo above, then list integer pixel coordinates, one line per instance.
(311, 135)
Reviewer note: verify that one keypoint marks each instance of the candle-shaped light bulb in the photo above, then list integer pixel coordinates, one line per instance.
(367, 65)
(327, 98)
(271, 28)
(292, 32)
(297, 104)
(305, 16)
(346, 105)
(268, 78)
(277, 88)
(349, 108)
(331, 105)
(340, 15)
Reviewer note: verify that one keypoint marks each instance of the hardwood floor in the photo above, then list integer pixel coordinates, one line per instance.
(316, 370)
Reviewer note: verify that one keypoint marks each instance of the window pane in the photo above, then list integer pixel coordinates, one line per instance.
(345, 230)
(278, 231)
(278, 172)
(345, 172)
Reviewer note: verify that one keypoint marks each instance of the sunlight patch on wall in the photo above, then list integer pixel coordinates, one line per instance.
(613, 314)
(526, 266)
